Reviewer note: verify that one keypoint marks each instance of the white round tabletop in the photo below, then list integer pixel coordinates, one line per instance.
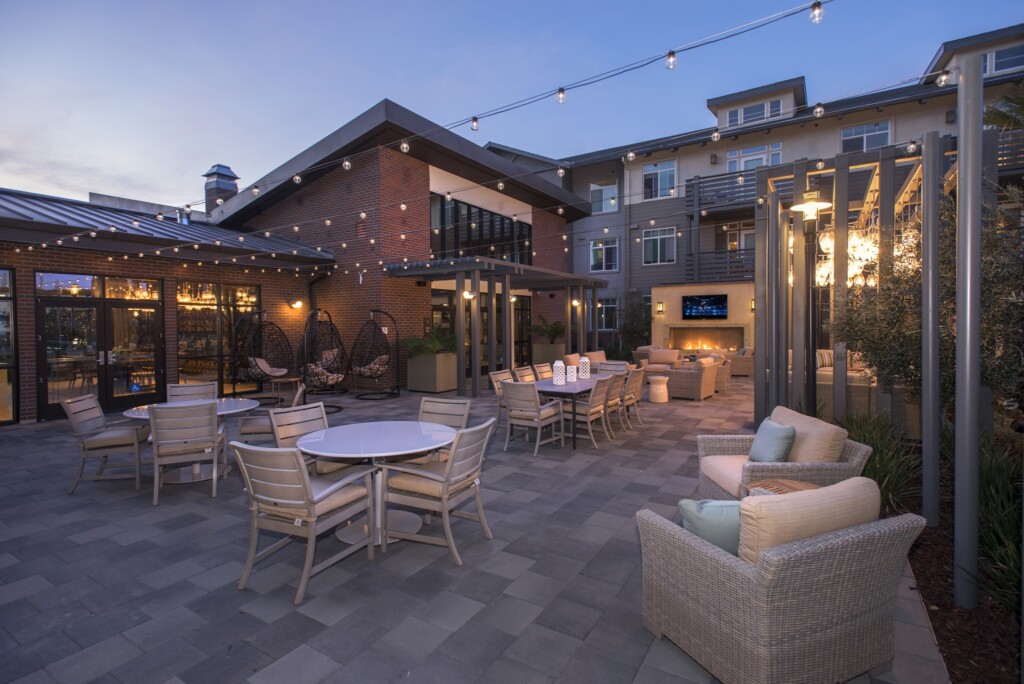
(225, 406)
(376, 440)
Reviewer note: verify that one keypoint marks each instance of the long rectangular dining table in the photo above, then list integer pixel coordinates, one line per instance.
(569, 389)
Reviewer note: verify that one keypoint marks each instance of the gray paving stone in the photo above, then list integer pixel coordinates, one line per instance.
(94, 661)
(22, 588)
(411, 641)
(477, 644)
(160, 664)
(543, 649)
(165, 627)
(304, 664)
(449, 611)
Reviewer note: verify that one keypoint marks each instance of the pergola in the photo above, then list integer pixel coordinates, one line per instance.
(501, 278)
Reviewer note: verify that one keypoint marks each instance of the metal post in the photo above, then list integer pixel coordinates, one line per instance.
(568, 320)
(474, 332)
(492, 325)
(508, 326)
(801, 305)
(694, 229)
(760, 298)
(931, 197)
(581, 323)
(886, 240)
(595, 340)
(840, 271)
(459, 304)
(968, 309)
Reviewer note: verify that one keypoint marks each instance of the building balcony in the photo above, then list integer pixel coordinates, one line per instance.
(732, 265)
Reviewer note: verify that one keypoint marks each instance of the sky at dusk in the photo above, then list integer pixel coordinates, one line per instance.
(137, 99)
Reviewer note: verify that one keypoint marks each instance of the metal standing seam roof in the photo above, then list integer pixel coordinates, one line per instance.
(32, 218)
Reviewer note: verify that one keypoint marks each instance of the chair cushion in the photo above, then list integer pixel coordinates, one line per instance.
(325, 466)
(772, 442)
(658, 367)
(255, 425)
(329, 501)
(665, 356)
(114, 437)
(546, 411)
(421, 485)
(706, 361)
(713, 521)
(596, 356)
(816, 441)
(571, 359)
(725, 471)
(772, 520)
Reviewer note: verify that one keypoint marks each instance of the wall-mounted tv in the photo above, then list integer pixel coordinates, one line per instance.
(705, 306)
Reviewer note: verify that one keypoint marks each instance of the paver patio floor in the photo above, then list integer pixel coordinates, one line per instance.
(101, 586)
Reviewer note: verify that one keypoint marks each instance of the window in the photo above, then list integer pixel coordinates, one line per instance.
(739, 234)
(647, 303)
(865, 137)
(607, 314)
(659, 180)
(1007, 59)
(604, 196)
(8, 367)
(754, 113)
(460, 229)
(604, 255)
(659, 246)
(753, 157)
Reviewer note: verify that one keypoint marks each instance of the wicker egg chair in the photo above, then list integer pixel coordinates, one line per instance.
(373, 361)
(324, 362)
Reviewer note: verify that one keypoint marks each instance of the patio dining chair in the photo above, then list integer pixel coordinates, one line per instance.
(185, 434)
(525, 374)
(100, 439)
(451, 412)
(498, 377)
(526, 411)
(285, 500)
(632, 393)
(258, 427)
(440, 487)
(291, 423)
(613, 402)
(192, 391)
(542, 371)
(592, 410)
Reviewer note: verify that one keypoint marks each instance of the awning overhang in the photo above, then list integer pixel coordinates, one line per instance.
(522, 276)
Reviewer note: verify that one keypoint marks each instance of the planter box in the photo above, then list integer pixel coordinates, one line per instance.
(432, 372)
(545, 352)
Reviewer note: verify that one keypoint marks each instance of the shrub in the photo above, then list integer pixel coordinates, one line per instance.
(999, 513)
(893, 464)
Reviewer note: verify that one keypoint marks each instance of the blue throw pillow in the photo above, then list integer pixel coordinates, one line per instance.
(772, 442)
(717, 522)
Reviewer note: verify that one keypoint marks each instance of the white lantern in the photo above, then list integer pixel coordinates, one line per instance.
(558, 373)
(570, 374)
(584, 368)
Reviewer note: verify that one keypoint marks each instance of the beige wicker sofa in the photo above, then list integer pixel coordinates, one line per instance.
(817, 609)
(696, 383)
(821, 454)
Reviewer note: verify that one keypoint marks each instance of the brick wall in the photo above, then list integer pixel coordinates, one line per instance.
(548, 229)
(276, 291)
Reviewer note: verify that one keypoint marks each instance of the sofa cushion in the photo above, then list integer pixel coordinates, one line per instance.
(772, 442)
(725, 471)
(706, 361)
(571, 359)
(656, 367)
(717, 522)
(647, 347)
(772, 520)
(816, 441)
(824, 358)
(663, 356)
(596, 356)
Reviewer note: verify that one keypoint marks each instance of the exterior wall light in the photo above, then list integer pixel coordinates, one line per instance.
(467, 294)
(575, 302)
(811, 205)
(752, 304)
(297, 304)
(660, 308)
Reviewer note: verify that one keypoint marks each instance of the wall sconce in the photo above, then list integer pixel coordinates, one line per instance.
(297, 304)
(468, 294)
(512, 298)
(660, 308)
(575, 302)
(752, 304)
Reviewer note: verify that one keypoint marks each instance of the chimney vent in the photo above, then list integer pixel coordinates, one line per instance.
(220, 184)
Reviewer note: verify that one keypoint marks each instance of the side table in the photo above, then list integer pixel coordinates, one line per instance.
(658, 392)
(277, 383)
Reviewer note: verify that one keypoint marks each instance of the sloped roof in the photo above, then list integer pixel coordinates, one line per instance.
(951, 47)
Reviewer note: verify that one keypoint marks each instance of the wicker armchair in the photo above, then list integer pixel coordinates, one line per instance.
(815, 610)
(741, 365)
(697, 384)
(851, 463)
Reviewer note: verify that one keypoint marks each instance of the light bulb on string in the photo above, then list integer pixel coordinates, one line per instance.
(912, 147)
(448, 196)
(817, 12)
(220, 201)
(347, 165)
(362, 215)
(474, 124)
(561, 210)
(820, 164)
(159, 217)
(716, 135)
(255, 190)
(740, 179)
(561, 172)
(631, 155)
(266, 233)
(501, 185)
(670, 60)
(404, 147)
(943, 78)
(819, 110)
(296, 179)
(560, 97)
(402, 206)
(295, 229)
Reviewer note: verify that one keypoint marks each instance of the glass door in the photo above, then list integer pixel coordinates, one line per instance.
(68, 353)
(132, 369)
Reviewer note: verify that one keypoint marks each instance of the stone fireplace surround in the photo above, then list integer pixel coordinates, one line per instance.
(697, 337)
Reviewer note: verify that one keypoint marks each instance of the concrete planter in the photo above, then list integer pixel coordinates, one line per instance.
(545, 352)
(432, 372)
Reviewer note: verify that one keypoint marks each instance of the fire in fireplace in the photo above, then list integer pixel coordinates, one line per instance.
(705, 337)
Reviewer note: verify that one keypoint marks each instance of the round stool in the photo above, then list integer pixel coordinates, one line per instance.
(658, 392)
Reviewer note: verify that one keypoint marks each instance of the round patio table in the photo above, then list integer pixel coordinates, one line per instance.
(226, 406)
(373, 441)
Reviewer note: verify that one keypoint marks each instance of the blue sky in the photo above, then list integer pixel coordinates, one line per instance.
(138, 99)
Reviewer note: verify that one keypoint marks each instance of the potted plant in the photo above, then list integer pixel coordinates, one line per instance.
(550, 350)
(431, 361)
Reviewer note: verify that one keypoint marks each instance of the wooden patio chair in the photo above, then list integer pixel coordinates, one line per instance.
(591, 410)
(98, 438)
(291, 423)
(451, 412)
(542, 371)
(632, 393)
(185, 434)
(613, 402)
(525, 374)
(526, 411)
(257, 427)
(192, 391)
(498, 377)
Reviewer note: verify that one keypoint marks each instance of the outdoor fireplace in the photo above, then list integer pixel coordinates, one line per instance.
(692, 338)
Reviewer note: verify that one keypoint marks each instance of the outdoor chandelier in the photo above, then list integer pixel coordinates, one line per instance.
(811, 205)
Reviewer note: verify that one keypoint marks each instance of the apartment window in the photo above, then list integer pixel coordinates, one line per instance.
(753, 157)
(607, 314)
(8, 367)
(754, 113)
(647, 302)
(604, 196)
(604, 255)
(1007, 59)
(659, 246)
(865, 137)
(659, 179)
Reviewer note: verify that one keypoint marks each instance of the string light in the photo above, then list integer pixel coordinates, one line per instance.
(631, 155)
(347, 165)
(817, 12)
(560, 98)
(501, 185)
(255, 190)
(362, 215)
(448, 196)
(404, 147)
(402, 206)
(819, 110)
(296, 179)
(820, 164)
(670, 60)
(220, 201)
(912, 147)
(561, 172)
(716, 135)
(943, 78)
(474, 124)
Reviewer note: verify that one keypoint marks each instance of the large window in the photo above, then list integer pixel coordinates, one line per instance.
(865, 137)
(607, 313)
(659, 180)
(458, 229)
(604, 196)
(1006, 59)
(754, 113)
(208, 315)
(753, 157)
(604, 255)
(659, 246)
(8, 367)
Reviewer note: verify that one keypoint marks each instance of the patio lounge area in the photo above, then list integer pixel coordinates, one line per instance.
(100, 586)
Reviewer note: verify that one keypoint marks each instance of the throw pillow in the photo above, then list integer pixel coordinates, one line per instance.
(717, 522)
(824, 357)
(772, 442)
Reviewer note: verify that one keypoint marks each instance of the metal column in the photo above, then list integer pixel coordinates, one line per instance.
(492, 325)
(568, 320)
(840, 271)
(801, 306)
(931, 197)
(459, 304)
(886, 239)
(595, 341)
(474, 333)
(760, 298)
(508, 327)
(970, 103)
(581, 322)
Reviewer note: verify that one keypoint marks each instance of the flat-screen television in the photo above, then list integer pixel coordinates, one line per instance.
(705, 306)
